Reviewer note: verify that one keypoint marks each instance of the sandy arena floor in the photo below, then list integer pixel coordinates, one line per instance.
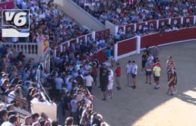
(148, 107)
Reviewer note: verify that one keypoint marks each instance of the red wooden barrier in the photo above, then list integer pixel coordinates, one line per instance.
(127, 46)
(168, 37)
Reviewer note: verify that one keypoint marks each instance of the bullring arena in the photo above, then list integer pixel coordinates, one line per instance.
(145, 106)
(51, 51)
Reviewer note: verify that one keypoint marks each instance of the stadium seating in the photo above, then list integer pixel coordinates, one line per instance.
(122, 12)
(59, 28)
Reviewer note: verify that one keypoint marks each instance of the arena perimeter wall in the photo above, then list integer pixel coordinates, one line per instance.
(135, 45)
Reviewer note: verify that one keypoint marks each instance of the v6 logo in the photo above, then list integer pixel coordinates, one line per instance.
(15, 23)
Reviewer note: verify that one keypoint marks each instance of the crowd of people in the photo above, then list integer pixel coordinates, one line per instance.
(69, 85)
(122, 12)
(76, 70)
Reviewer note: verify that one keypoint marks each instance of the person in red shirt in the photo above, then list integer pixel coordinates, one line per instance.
(118, 75)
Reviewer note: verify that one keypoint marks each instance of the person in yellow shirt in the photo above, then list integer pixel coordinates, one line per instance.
(157, 74)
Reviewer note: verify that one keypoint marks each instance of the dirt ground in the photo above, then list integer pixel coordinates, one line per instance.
(146, 106)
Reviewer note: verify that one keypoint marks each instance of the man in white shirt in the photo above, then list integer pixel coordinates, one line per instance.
(12, 121)
(110, 82)
(134, 70)
(74, 107)
(89, 82)
(128, 72)
(59, 83)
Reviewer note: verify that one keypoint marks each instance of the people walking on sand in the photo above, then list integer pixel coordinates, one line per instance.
(104, 82)
(155, 52)
(150, 58)
(157, 74)
(109, 54)
(101, 69)
(148, 69)
(128, 72)
(170, 64)
(117, 76)
(110, 82)
(134, 70)
(172, 82)
(144, 59)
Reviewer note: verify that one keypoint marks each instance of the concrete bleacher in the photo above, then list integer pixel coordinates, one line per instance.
(80, 15)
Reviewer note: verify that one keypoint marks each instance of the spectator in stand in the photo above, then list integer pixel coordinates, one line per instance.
(89, 82)
(3, 116)
(69, 121)
(60, 28)
(142, 11)
(12, 121)
(122, 13)
(28, 121)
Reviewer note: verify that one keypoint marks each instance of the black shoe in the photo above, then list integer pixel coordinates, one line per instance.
(104, 99)
(156, 88)
(134, 87)
(118, 88)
